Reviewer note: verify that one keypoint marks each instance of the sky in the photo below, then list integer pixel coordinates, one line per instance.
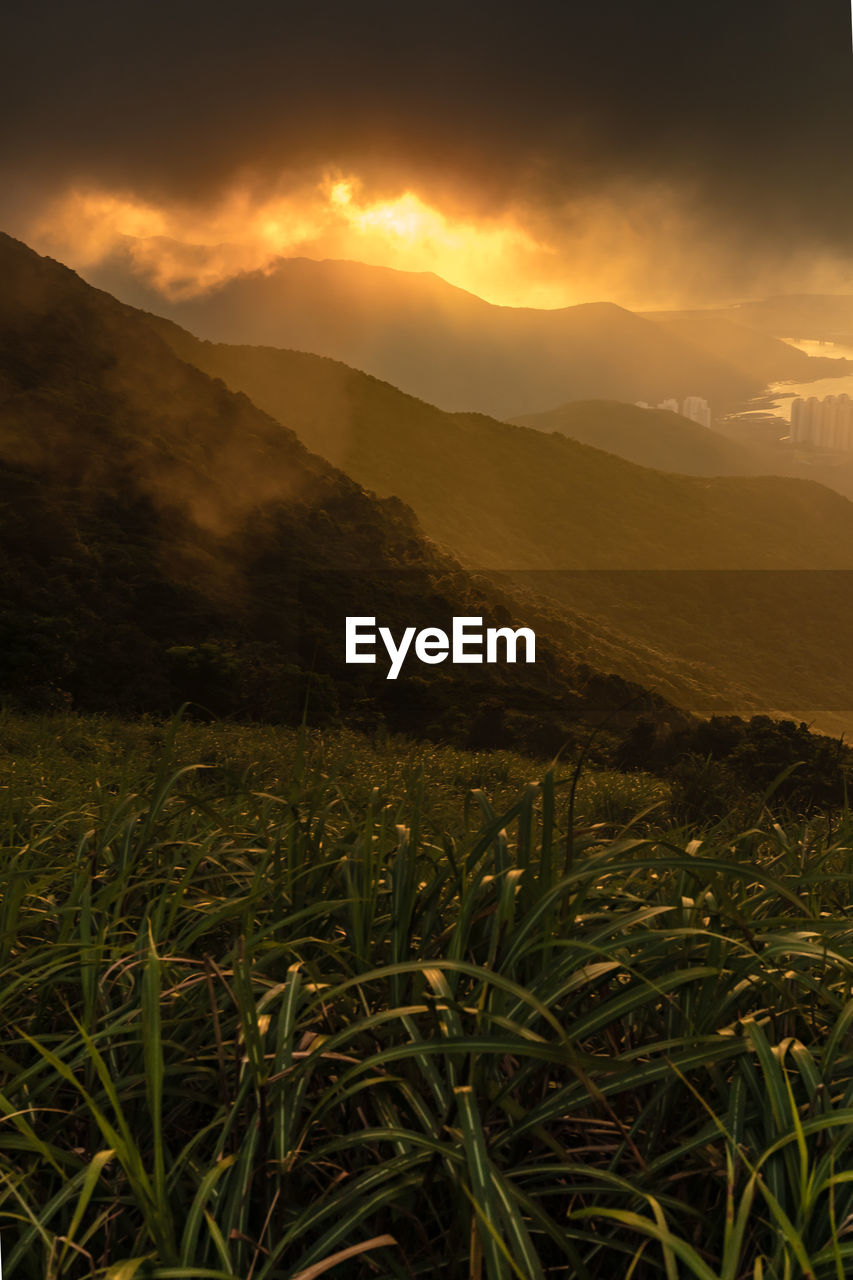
(649, 152)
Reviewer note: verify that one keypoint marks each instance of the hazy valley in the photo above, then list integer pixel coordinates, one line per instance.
(637, 559)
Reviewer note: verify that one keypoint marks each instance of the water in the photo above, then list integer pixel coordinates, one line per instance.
(779, 395)
(811, 346)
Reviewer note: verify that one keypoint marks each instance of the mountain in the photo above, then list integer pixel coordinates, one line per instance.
(508, 497)
(670, 442)
(743, 334)
(733, 337)
(758, 326)
(825, 317)
(162, 538)
(721, 592)
(654, 438)
(451, 348)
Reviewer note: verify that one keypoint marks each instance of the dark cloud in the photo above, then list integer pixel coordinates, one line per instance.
(745, 106)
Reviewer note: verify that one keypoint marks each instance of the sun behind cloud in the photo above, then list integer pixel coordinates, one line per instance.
(183, 250)
(637, 246)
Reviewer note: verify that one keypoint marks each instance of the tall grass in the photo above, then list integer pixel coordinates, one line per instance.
(257, 1032)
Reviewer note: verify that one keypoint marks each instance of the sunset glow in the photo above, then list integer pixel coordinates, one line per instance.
(635, 247)
(184, 250)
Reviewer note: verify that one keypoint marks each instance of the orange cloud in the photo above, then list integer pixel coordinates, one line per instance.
(183, 250)
(640, 247)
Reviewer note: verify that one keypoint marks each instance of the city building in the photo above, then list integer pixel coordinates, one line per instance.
(693, 407)
(826, 423)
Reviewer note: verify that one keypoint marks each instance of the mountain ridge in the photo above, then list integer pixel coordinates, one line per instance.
(657, 438)
(164, 539)
(648, 571)
(351, 417)
(446, 345)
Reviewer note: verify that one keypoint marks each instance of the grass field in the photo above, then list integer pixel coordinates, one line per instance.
(277, 1005)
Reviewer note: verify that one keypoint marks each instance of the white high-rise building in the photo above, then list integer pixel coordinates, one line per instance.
(694, 407)
(697, 409)
(826, 423)
(829, 422)
(844, 427)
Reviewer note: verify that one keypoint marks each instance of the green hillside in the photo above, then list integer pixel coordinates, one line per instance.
(270, 995)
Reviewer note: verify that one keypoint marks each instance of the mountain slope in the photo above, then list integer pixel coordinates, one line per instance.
(669, 442)
(508, 497)
(650, 437)
(729, 336)
(826, 317)
(448, 346)
(162, 538)
(653, 574)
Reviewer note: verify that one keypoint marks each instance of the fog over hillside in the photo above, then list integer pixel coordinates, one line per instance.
(674, 579)
(164, 539)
